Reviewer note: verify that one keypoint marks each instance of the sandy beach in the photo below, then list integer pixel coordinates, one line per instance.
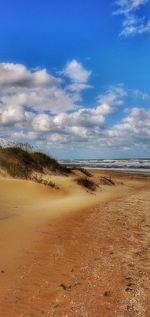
(71, 252)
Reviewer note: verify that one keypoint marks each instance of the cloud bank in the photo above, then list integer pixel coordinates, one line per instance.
(39, 108)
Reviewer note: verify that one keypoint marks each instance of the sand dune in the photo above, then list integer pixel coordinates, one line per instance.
(58, 246)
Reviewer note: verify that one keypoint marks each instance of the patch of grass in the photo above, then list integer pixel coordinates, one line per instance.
(85, 182)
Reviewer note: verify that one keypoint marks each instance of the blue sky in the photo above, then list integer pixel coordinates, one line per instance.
(75, 76)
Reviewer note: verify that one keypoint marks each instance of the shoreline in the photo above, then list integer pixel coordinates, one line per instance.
(136, 171)
(120, 172)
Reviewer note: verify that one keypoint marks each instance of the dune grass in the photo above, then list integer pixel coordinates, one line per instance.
(87, 183)
(106, 181)
(39, 179)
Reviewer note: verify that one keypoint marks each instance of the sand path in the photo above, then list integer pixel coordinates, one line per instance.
(25, 210)
(92, 264)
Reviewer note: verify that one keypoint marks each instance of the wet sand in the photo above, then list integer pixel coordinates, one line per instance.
(71, 253)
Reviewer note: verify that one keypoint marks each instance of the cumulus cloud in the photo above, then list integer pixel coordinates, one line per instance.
(82, 121)
(79, 125)
(18, 75)
(21, 87)
(133, 24)
(76, 72)
(88, 131)
(38, 108)
(42, 123)
(11, 116)
(133, 129)
(78, 75)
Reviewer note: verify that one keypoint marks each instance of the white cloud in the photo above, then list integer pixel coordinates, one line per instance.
(132, 23)
(12, 115)
(134, 128)
(41, 123)
(140, 94)
(18, 75)
(20, 87)
(127, 6)
(75, 127)
(113, 96)
(37, 89)
(39, 108)
(88, 118)
(87, 126)
(76, 72)
(78, 87)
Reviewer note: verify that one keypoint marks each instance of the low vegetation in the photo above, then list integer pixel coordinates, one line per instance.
(87, 183)
(14, 170)
(83, 171)
(21, 163)
(39, 179)
(45, 161)
(106, 181)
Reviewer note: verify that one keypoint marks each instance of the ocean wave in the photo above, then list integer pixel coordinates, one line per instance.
(126, 164)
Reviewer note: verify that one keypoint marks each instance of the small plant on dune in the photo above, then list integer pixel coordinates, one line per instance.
(106, 181)
(85, 182)
(52, 184)
(39, 179)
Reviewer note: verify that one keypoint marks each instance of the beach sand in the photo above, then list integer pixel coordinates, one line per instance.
(70, 252)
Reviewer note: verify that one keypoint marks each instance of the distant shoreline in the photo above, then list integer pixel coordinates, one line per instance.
(121, 165)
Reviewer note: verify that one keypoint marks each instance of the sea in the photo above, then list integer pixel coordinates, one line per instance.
(127, 165)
